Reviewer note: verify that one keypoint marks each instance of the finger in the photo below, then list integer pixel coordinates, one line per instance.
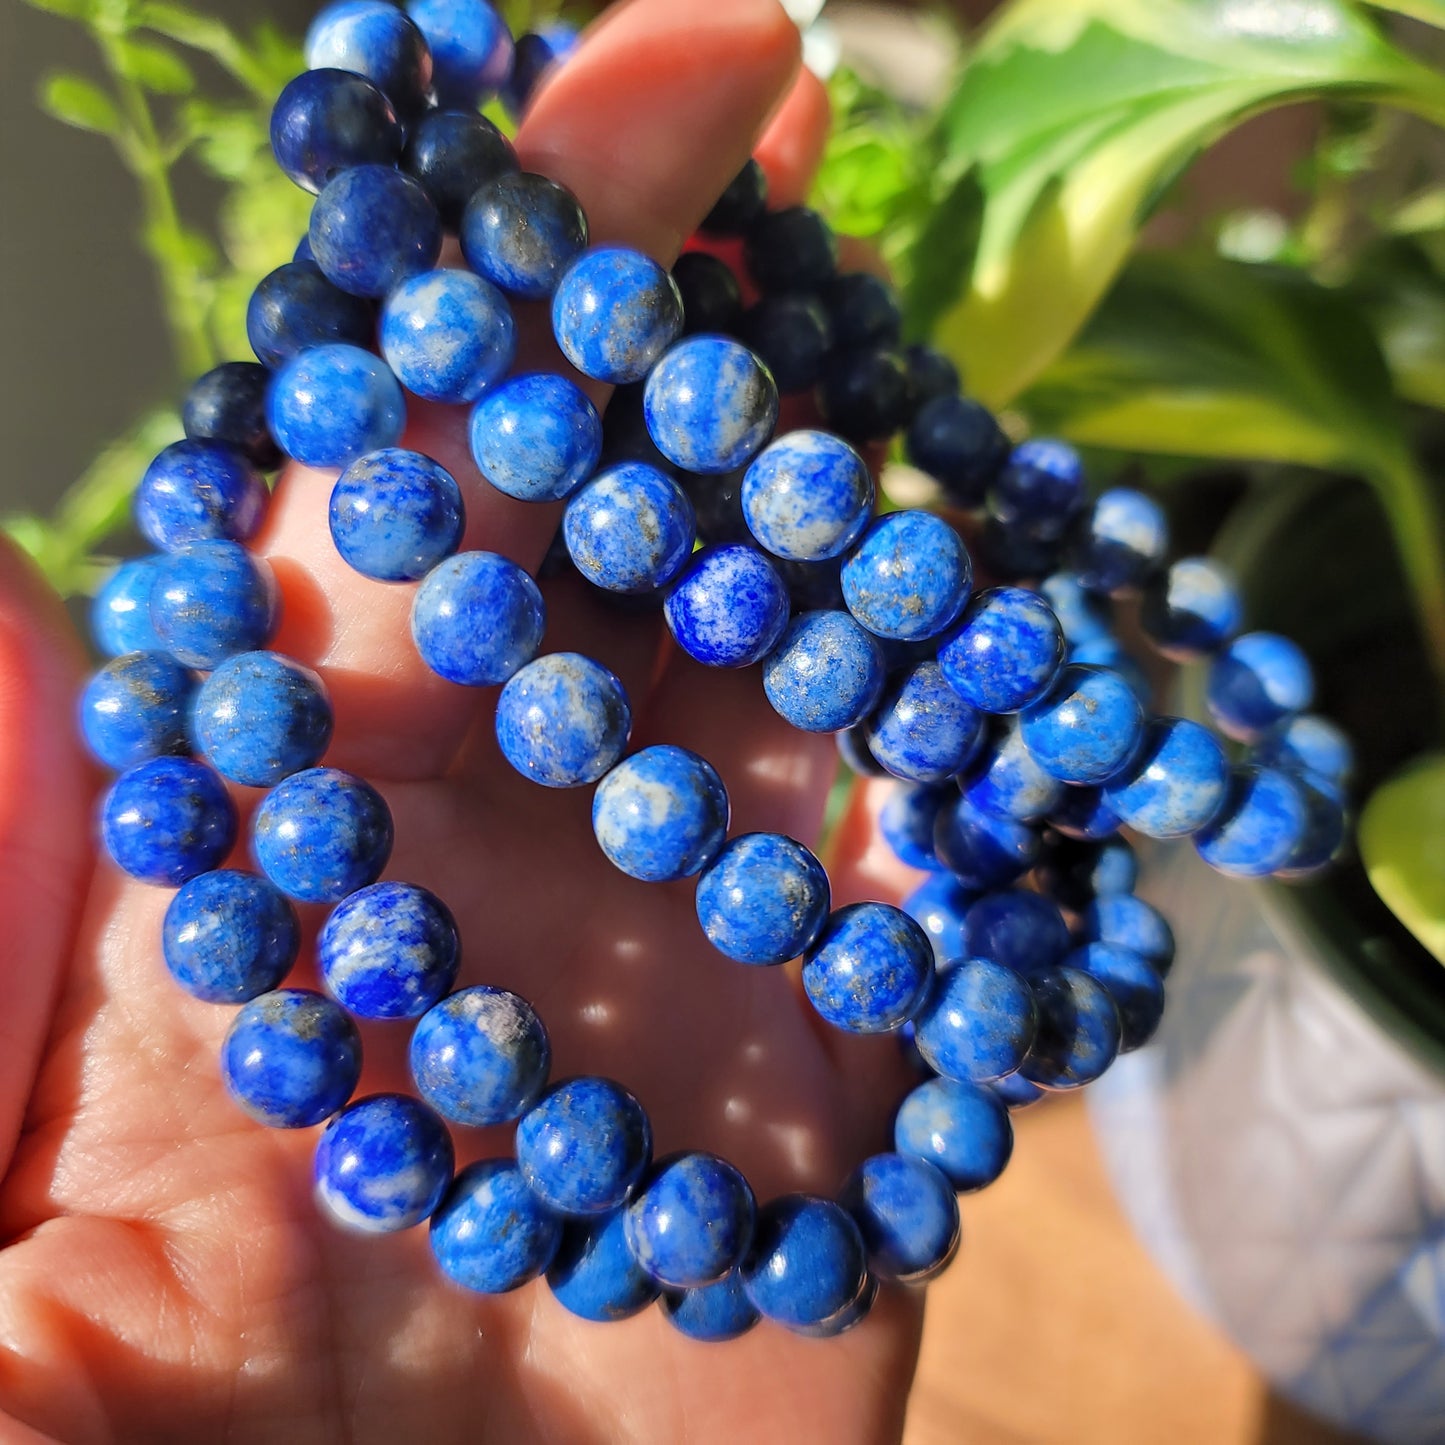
(792, 147)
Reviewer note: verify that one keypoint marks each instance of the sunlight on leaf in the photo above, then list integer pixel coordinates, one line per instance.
(1402, 845)
(79, 102)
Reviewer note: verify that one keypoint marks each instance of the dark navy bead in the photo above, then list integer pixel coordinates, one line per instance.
(789, 332)
(1129, 922)
(1324, 829)
(710, 405)
(228, 404)
(938, 907)
(374, 39)
(1012, 785)
(1078, 1030)
(907, 1212)
(614, 313)
(489, 1233)
(625, 438)
(1017, 1092)
(1006, 652)
(814, 586)
(712, 299)
(958, 442)
(1086, 729)
(448, 335)
(977, 1023)
(630, 529)
(210, 600)
(480, 1056)
(326, 121)
(906, 823)
(536, 53)
(291, 1058)
(807, 497)
(594, 1275)
(713, 1313)
(167, 820)
(1013, 556)
(864, 394)
(536, 437)
(1307, 743)
(1121, 543)
(383, 1164)
(1259, 826)
(260, 717)
(729, 608)
(1256, 682)
(477, 618)
(741, 204)
(931, 374)
(1083, 616)
(923, 731)
(1039, 491)
(869, 969)
(332, 404)
(853, 750)
(862, 310)
(908, 577)
(120, 616)
(1134, 985)
(395, 515)
(661, 814)
(790, 250)
(135, 708)
(826, 674)
(1176, 784)
(1074, 873)
(807, 1263)
(763, 900)
(322, 834)
(296, 307)
(584, 1146)
(471, 49)
(229, 936)
(1084, 814)
(563, 720)
(197, 491)
(961, 1129)
(1021, 930)
(1193, 610)
(521, 231)
(691, 1222)
(371, 228)
(981, 849)
(451, 154)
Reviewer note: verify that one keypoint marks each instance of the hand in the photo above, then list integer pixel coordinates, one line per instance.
(165, 1274)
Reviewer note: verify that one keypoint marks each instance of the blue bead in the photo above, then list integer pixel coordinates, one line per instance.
(1307, 743)
(958, 442)
(713, 1313)
(729, 607)
(977, 1023)
(763, 900)
(326, 121)
(120, 616)
(333, 404)
(584, 1146)
(923, 731)
(907, 1213)
(480, 1056)
(166, 820)
(296, 307)
(1039, 491)
(863, 394)
(909, 576)
(1084, 814)
(826, 674)
(792, 249)
(807, 497)
(259, 717)
(563, 720)
(1087, 728)
(477, 618)
(932, 373)
(490, 1233)
(741, 204)
(906, 822)
(1110, 653)
(1193, 610)
(1324, 829)
(389, 951)
(1260, 825)
(630, 529)
(1121, 543)
(536, 437)
(1012, 785)
(869, 969)
(961, 1129)
(1078, 1030)
(849, 1317)
(451, 154)
(471, 49)
(1131, 923)
(537, 52)
(614, 313)
(448, 335)
(136, 708)
(210, 600)
(1256, 682)
(371, 228)
(228, 405)
(862, 309)
(291, 1058)
(198, 490)
(982, 850)
(322, 834)
(229, 936)
(1177, 783)
(691, 1222)
(1074, 873)
(1083, 616)
(594, 1274)
(1007, 651)
(1134, 985)
(938, 907)
(374, 39)
(1016, 1092)
(1021, 930)
(789, 334)
(710, 405)
(521, 232)
(661, 814)
(383, 1164)
(395, 515)
(712, 299)
(807, 1263)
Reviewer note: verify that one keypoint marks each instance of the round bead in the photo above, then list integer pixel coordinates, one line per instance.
(1074, 874)
(712, 300)
(1260, 824)
(521, 232)
(906, 822)
(1012, 785)
(961, 1129)
(1086, 729)
(371, 228)
(923, 731)
(291, 1058)
(862, 309)
(395, 515)
(864, 394)
(1121, 543)
(630, 529)
(1083, 813)
(1083, 616)
(764, 900)
(826, 674)
(195, 491)
(1110, 653)
(1129, 922)
(1078, 1030)
(296, 307)
(228, 405)
(793, 249)
(661, 814)
(691, 1222)
(931, 372)
(480, 1056)
(583, 1146)
(594, 1274)
(1016, 1092)
(1039, 491)
(326, 121)
(958, 442)
(909, 576)
(1176, 785)
(1193, 610)
(981, 849)
(713, 1313)
(260, 717)
(1133, 984)
(938, 908)
(710, 405)
(167, 820)
(869, 968)
(490, 1233)
(374, 39)
(729, 607)
(1307, 744)
(807, 1263)
(907, 1213)
(1023, 931)
(120, 616)
(471, 49)
(563, 720)
(135, 708)
(743, 202)
(383, 1164)
(210, 600)
(451, 154)
(477, 618)
(332, 404)
(1012, 555)
(1256, 682)
(1324, 830)
(229, 937)
(448, 335)
(789, 333)
(977, 1023)
(807, 497)
(1007, 651)
(536, 437)
(614, 313)
(322, 834)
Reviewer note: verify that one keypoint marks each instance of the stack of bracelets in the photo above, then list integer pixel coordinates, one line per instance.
(1013, 720)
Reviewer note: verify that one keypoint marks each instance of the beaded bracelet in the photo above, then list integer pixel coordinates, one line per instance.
(1012, 722)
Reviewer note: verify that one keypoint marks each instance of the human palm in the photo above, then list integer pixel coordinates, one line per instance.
(165, 1273)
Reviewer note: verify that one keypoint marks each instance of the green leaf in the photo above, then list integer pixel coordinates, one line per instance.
(70, 9)
(79, 102)
(158, 69)
(200, 32)
(1402, 845)
(1432, 12)
(1404, 296)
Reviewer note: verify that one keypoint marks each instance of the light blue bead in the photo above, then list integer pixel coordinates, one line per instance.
(584, 1146)
(1177, 783)
(729, 607)
(291, 1058)
(448, 335)
(982, 850)
(1193, 610)
(1006, 652)
(563, 720)
(977, 1023)
(383, 1164)
(614, 313)
(1260, 825)
(536, 437)
(371, 228)
(1307, 743)
(938, 907)
(490, 1234)
(1130, 923)
(1019, 929)
(198, 490)
(906, 822)
(259, 717)
(594, 1275)
(521, 231)
(1134, 985)
(120, 617)
(923, 731)
(471, 49)
(1084, 814)
(395, 515)
(477, 618)
(710, 405)
(167, 820)
(869, 969)
(135, 708)
(229, 936)
(714, 1313)
(331, 404)
(661, 814)
(1121, 543)
(961, 1129)
(1012, 785)
(1324, 829)
(763, 900)
(210, 600)
(691, 1222)
(1256, 682)
(807, 1263)
(1083, 616)
(808, 496)
(1078, 1030)
(908, 577)
(1086, 729)
(630, 529)
(907, 1213)
(480, 1056)
(374, 39)
(826, 674)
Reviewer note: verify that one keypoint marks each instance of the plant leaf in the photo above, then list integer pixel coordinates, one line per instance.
(1432, 12)
(79, 102)
(158, 69)
(70, 9)
(1404, 296)
(1402, 845)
